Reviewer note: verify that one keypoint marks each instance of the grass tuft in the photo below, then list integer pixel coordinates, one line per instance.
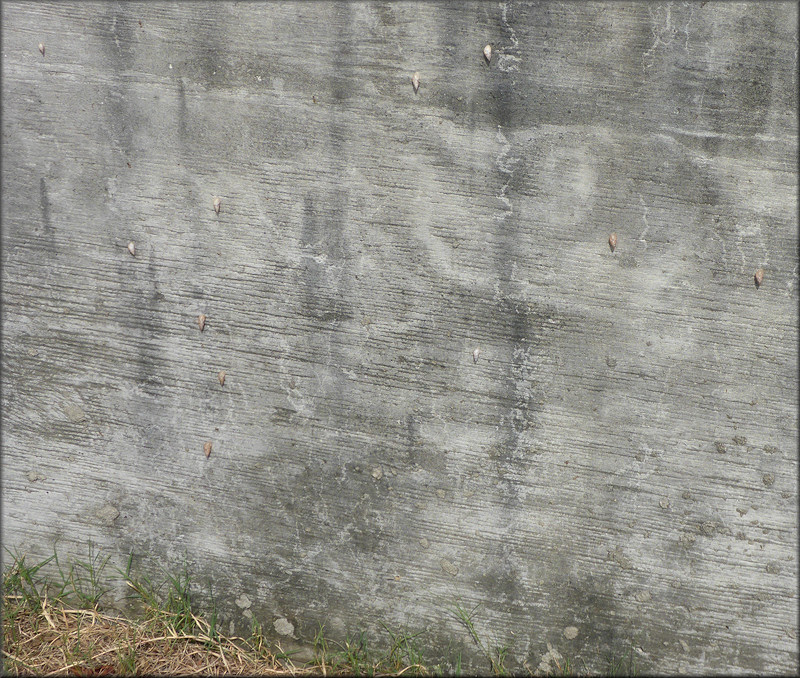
(497, 656)
(54, 626)
(623, 665)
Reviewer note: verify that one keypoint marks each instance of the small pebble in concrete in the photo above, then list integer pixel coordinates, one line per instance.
(221, 377)
(642, 596)
(207, 449)
(201, 322)
(759, 277)
(107, 514)
(217, 204)
(243, 601)
(415, 81)
(33, 476)
(612, 241)
(74, 413)
(684, 645)
(571, 632)
(377, 473)
(617, 556)
(448, 567)
(283, 626)
(41, 48)
(768, 479)
(132, 248)
(475, 354)
(487, 53)
(664, 503)
(424, 543)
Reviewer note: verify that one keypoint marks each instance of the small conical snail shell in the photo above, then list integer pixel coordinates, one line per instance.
(221, 377)
(759, 277)
(217, 203)
(41, 48)
(207, 449)
(132, 248)
(487, 53)
(475, 355)
(201, 322)
(415, 81)
(612, 241)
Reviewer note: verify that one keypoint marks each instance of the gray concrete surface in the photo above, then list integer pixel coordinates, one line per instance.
(622, 457)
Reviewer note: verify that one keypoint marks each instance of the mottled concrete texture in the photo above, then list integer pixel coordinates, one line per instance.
(616, 468)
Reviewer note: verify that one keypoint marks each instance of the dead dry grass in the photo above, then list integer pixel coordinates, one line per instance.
(55, 626)
(56, 640)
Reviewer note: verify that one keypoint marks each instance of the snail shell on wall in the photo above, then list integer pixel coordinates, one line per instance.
(201, 322)
(41, 48)
(487, 53)
(132, 248)
(221, 377)
(415, 81)
(759, 277)
(475, 355)
(612, 241)
(207, 449)
(217, 203)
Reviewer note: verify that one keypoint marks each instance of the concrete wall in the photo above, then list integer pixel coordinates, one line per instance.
(622, 457)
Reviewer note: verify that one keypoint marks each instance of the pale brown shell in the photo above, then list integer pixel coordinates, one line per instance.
(221, 377)
(759, 277)
(132, 248)
(487, 53)
(217, 204)
(41, 48)
(201, 322)
(612, 241)
(475, 354)
(207, 449)
(415, 81)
